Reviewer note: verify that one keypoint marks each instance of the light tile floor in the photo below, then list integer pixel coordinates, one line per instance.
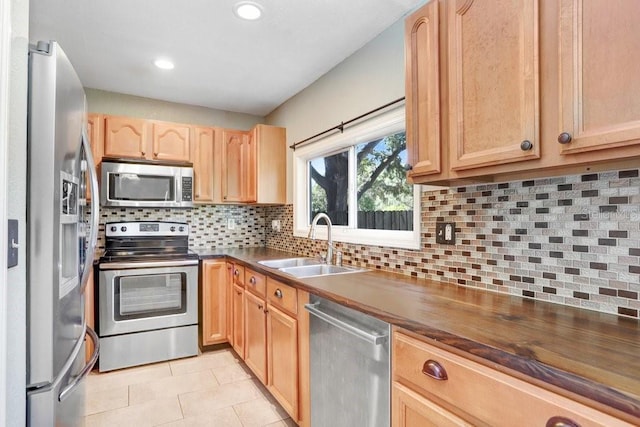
(213, 389)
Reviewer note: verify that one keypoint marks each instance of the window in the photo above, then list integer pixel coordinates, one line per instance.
(358, 179)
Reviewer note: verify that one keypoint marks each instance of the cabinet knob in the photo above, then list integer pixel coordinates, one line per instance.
(143, 153)
(433, 369)
(236, 272)
(252, 280)
(407, 167)
(278, 293)
(260, 307)
(564, 138)
(561, 422)
(155, 154)
(526, 145)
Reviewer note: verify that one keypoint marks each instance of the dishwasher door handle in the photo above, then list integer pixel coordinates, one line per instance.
(338, 323)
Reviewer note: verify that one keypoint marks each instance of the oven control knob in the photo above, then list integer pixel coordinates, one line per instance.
(181, 229)
(114, 228)
(123, 228)
(172, 228)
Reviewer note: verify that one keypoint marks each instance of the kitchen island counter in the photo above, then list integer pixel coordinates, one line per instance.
(585, 355)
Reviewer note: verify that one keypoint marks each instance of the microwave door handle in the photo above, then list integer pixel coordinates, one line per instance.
(95, 208)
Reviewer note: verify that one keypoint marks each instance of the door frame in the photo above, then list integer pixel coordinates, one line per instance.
(5, 55)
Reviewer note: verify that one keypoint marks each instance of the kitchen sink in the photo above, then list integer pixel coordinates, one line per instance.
(319, 270)
(289, 262)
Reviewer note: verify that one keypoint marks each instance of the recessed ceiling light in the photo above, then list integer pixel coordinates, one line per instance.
(248, 10)
(165, 64)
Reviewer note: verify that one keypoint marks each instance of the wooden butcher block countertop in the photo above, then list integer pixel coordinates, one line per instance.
(585, 355)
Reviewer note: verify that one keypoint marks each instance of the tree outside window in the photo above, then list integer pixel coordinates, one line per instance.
(384, 198)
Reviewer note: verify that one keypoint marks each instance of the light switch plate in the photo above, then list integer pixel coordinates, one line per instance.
(231, 223)
(446, 233)
(12, 242)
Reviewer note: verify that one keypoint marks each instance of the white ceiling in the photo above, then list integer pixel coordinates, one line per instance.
(221, 61)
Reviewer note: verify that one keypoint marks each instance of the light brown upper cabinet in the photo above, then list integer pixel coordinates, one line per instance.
(170, 141)
(144, 139)
(503, 89)
(125, 137)
(599, 69)
(254, 165)
(237, 157)
(423, 90)
(204, 164)
(493, 82)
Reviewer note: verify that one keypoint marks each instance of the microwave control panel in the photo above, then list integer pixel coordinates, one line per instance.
(187, 189)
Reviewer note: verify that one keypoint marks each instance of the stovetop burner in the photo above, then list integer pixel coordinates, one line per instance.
(145, 241)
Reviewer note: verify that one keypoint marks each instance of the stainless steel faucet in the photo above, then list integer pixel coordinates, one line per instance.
(312, 233)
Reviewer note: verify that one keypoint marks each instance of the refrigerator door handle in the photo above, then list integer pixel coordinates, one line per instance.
(95, 207)
(88, 367)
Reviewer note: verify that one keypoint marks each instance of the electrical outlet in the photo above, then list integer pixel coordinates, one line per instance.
(231, 223)
(446, 233)
(275, 225)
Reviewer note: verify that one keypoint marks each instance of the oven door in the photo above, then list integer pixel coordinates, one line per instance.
(150, 296)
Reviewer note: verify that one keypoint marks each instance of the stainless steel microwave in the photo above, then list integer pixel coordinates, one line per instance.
(146, 185)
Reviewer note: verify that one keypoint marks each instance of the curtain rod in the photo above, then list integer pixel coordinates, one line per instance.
(341, 126)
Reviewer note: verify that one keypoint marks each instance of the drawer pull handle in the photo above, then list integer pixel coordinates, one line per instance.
(278, 293)
(252, 280)
(561, 422)
(433, 369)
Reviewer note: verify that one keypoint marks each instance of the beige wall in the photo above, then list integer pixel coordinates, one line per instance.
(100, 101)
(372, 76)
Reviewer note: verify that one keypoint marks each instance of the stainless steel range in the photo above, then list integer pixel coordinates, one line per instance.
(147, 294)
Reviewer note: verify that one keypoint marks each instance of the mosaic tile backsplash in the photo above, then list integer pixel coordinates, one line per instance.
(572, 240)
(208, 223)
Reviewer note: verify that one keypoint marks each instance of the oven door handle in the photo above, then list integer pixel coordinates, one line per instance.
(149, 264)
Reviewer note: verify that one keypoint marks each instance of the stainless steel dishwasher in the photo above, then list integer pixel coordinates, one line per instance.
(350, 367)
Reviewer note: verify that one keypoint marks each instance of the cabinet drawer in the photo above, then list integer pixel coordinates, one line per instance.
(283, 296)
(477, 392)
(238, 275)
(255, 282)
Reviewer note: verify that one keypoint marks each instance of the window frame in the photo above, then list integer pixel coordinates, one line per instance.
(383, 124)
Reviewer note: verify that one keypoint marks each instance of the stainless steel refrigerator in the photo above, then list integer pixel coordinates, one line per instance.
(61, 239)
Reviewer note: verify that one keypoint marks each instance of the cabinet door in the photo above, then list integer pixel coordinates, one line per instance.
(214, 300)
(125, 137)
(599, 68)
(422, 80)
(409, 409)
(282, 334)
(238, 320)
(203, 157)
(236, 163)
(250, 169)
(170, 141)
(255, 319)
(230, 293)
(95, 132)
(493, 81)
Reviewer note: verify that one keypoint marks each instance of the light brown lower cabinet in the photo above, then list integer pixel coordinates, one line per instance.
(238, 320)
(213, 300)
(411, 409)
(255, 323)
(229, 301)
(432, 386)
(282, 349)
